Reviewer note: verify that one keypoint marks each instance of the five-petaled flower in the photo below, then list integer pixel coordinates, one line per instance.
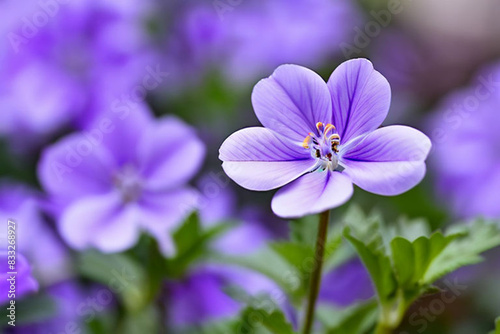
(319, 138)
(132, 179)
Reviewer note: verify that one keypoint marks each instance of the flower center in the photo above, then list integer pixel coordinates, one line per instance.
(324, 147)
(128, 183)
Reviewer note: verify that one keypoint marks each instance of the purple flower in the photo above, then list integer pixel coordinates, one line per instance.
(465, 124)
(128, 175)
(421, 67)
(320, 138)
(71, 308)
(201, 297)
(24, 281)
(346, 284)
(260, 35)
(63, 71)
(246, 40)
(218, 200)
(34, 237)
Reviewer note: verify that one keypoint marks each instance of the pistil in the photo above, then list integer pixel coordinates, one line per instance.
(324, 146)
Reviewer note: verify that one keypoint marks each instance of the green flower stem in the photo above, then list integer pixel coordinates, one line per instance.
(392, 314)
(382, 329)
(315, 282)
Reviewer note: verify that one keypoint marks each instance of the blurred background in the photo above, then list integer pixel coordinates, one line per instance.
(111, 95)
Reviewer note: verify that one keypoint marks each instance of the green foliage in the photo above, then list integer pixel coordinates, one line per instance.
(33, 310)
(261, 314)
(404, 260)
(302, 231)
(262, 320)
(270, 264)
(123, 275)
(289, 263)
(497, 327)
(356, 319)
(191, 242)
(481, 236)
(251, 320)
(137, 276)
(146, 321)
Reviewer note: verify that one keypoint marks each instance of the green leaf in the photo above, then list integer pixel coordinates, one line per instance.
(412, 259)
(223, 326)
(33, 309)
(355, 319)
(271, 264)
(146, 321)
(497, 327)
(377, 263)
(259, 320)
(296, 254)
(405, 259)
(304, 230)
(191, 242)
(120, 273)
(299, 252)
(481, 236)
(288, 263)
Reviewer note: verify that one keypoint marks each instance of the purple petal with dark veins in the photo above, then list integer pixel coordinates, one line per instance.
(388, 161)
(259, 159)
(361, 98)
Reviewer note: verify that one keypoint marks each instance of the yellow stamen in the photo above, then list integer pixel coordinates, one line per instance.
(329, 127)
(305, 143)
(319, 126)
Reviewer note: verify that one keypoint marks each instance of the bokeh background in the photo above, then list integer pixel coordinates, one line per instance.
(112, 113)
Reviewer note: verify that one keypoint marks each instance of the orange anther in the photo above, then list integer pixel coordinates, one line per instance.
(306, 141)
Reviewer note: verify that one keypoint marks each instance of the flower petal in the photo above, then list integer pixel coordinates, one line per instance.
(388, 161)
(361, 98)
(124, 126)
(74, 167)
(291, 101)
(102, 222)
(162, 212)
(258, 159)
(312, 193)
(170, 154)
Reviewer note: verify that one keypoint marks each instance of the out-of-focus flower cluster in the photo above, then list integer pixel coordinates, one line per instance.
(112, 112)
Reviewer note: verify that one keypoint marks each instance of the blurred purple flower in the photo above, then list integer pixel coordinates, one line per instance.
(67, 62)
(248, 39)
(130, 179)
(200, 297)
(68, 299)
(424, 67)
(320, 138)
(217, 201)
(466, 156)
(34, 237)
(24, 282)
(346, 284)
